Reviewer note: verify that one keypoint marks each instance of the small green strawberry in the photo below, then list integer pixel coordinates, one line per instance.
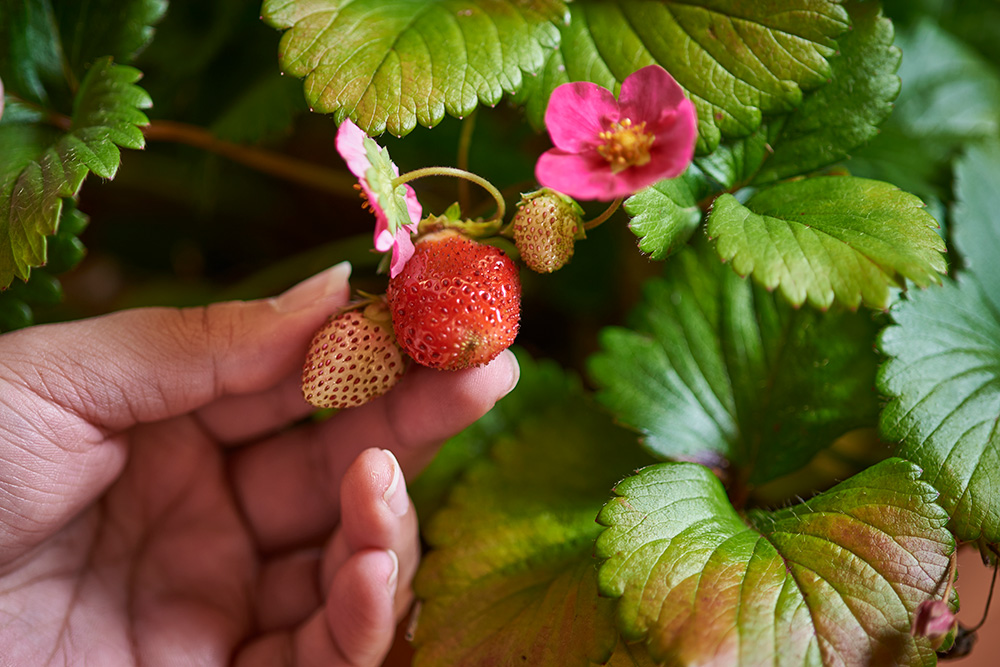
(353, 358)
(546, 226)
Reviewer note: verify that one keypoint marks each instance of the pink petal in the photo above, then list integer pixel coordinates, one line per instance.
(351, 146)
(579, 175)
(413, 208)
(576, 115)
(402, 251)
(676, 133)
(633, 179)
(1, 98)
(647, 92)
(384, 239)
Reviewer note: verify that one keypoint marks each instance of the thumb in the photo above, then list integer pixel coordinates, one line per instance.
(153, 363)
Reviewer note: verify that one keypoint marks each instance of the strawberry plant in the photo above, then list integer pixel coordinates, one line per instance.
(746, 252)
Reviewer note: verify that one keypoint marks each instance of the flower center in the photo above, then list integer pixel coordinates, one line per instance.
(626, 145)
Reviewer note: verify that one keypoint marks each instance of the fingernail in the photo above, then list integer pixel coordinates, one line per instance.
(395, 494)
(393, 581)
(515, 371)
(316, 289)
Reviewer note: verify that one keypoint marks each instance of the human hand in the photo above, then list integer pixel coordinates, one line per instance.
(162, 501)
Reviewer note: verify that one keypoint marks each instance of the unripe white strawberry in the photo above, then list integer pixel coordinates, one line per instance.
(546, 226)
(353, 358)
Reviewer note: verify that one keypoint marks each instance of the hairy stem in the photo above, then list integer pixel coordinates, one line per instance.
(457, 173)
(268, 162)
(604, 216)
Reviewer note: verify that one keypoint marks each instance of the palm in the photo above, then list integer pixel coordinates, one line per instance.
(164, 556)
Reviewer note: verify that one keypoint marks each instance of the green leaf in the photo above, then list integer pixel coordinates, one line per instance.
(976, 234)
(834, 580)
(48, 45)
(665, 215)
(17, 303)
(392, 65)
(736, 60)
(97, 28)
(31, 59)
(943, 375)
(847, 112)
(830, 238)
(720, 372)
(510, 578)
(735, 163)
(911, 164)
(42, 167)
(950, 93)
(943, 380)
(950, 96)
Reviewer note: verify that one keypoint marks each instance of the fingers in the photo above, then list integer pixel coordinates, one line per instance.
(289, 485)
(355, 628)
(377, 514)
(386, 521)
(367, 574)
(360, 612)
(153, 363)
(239, 419)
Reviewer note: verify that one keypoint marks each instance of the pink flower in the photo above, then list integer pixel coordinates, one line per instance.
(1, 98)
(396, 209)
(934, 620)
(607, 148)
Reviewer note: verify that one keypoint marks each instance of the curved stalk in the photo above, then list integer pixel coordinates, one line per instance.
(604, 216)
(456, 173)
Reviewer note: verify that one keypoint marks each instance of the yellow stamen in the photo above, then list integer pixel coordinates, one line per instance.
(365, 204)
(626, 145)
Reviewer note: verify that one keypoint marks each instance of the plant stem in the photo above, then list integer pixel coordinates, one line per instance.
(268, 162)
(462, 162)
(952, 566)
(457, 173)
(604, 216)
(989, 598)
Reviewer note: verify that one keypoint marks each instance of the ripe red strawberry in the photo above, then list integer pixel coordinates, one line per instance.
(546, 226)
(353, 358)
(457, 302)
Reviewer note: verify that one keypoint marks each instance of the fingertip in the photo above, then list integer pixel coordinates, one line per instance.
(485, 385)
(508, 371)
(331, 285)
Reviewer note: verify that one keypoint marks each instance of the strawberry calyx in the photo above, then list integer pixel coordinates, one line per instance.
(474, 229)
